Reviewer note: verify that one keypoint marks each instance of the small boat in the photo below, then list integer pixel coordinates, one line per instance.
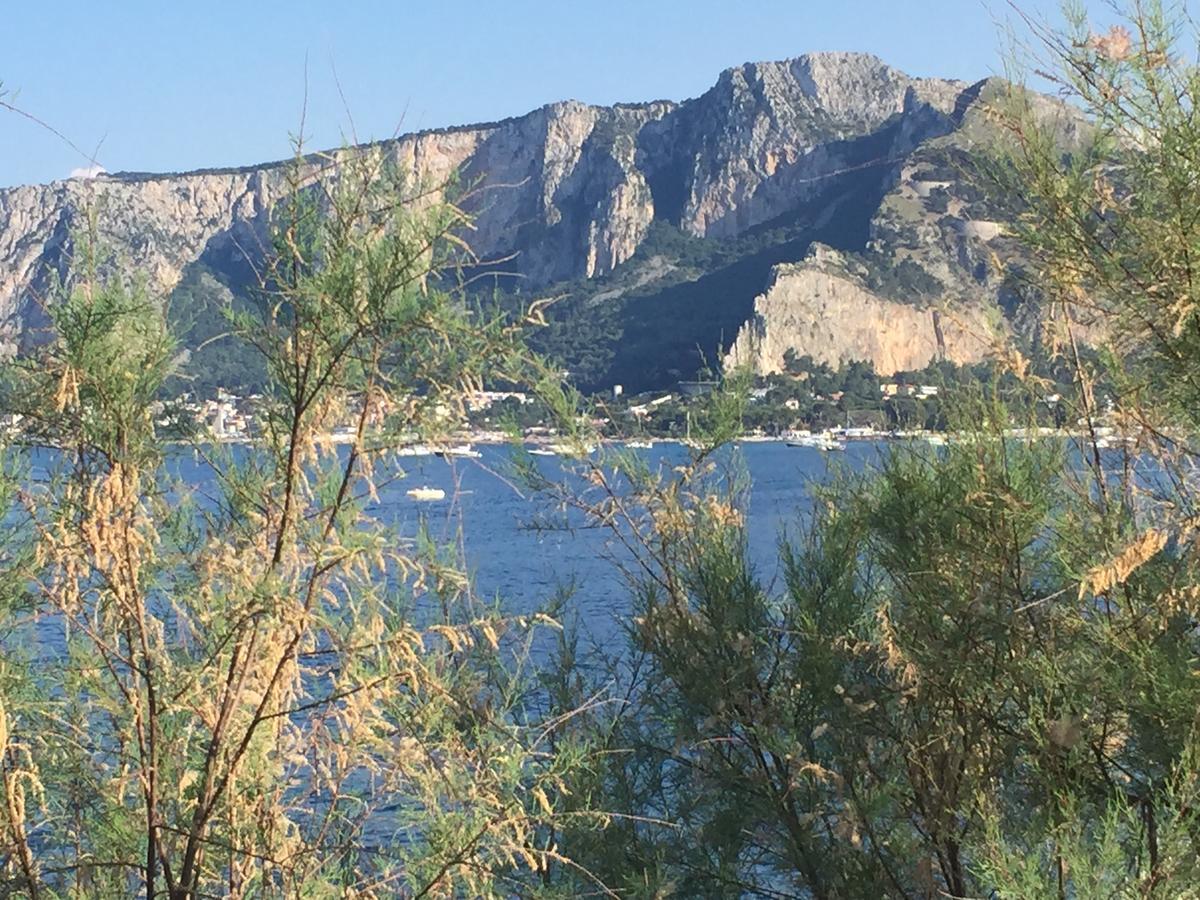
(541, 451)
(426, 494)
(639, 445)
(824, 442)
(415, 450)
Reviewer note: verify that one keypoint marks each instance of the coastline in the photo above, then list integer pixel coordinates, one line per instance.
(461, 442)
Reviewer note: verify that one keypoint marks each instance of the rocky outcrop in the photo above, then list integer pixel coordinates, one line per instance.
(156, 226)
(822, 308)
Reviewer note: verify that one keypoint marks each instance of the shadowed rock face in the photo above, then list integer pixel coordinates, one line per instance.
(570, 191)
(766, 138)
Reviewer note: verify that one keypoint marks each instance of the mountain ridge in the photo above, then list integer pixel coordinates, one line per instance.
(137, 175)
(816, 147)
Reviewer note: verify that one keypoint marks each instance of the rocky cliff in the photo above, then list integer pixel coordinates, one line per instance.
(938, 275)
(822, 308)
(556, 187)
(774, 156)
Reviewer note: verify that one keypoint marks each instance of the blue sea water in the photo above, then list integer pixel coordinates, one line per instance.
(523, 552)
(523, 565)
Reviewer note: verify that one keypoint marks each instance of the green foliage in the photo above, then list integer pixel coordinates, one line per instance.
(917, 707)
(201, 310)
(1109, 222)
(973, 675)
(906, 280)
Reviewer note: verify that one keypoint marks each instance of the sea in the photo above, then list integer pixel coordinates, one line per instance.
(523, 550)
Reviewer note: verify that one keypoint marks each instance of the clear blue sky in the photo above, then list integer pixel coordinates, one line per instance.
(168, 85)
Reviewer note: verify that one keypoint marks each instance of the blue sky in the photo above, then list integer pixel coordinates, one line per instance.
(170, 85)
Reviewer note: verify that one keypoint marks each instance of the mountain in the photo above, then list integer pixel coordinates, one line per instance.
(822, 204)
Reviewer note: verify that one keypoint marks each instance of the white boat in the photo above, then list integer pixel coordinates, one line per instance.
(817, 441)
(541, 451)
(464, 451)
(415, 450)
(639, 445)
(427, 494)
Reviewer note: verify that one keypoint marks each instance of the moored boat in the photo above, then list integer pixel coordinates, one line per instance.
(426, 494)
(415, 450)
(824, 441)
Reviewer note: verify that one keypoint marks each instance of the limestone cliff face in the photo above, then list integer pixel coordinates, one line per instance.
(936, 278)
(822, 308)
(559, 187)
(836, 147)
(157, 226)
(769, 136)
(571, 189)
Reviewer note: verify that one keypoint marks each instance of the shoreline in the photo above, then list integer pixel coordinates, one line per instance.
(459, 444)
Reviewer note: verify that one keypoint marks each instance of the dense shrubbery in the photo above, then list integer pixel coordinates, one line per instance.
(198, 311)
(919, 707)
(905, 280)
